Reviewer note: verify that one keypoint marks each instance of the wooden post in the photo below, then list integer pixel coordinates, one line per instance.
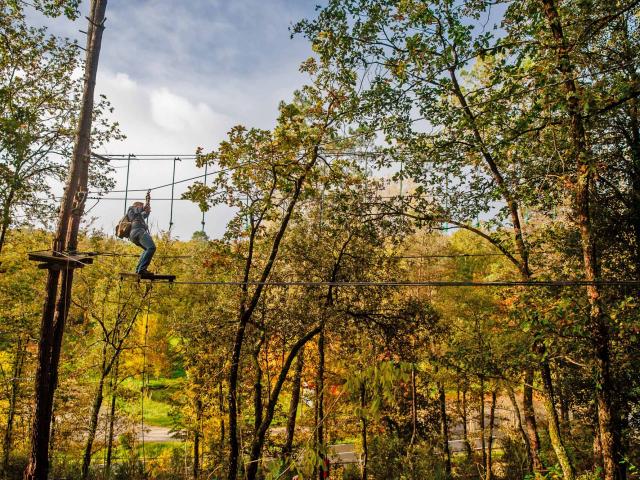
(56, 304)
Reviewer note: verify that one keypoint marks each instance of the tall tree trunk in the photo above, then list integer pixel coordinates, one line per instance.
(52, 437)
(444, 429)
(257, 384)
(196, 439)
(411, 457)
(465, 422)
(554, 426)
(293, 408)
(222, 412)
(52, 328)
(320, 401)
(93, 426)
(585, 170)
(246, 313)
(597, 448)
(363, 431)
(530, 420)
(6, 216)
(259, 437)
(492, 421)
(39, 459)
(561, 397)
(16, 371)
(113, 389)
(518, 417)
(482, 426)
(414, 406)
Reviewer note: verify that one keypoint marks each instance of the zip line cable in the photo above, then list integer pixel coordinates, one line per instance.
(506, 283)
(403, 257)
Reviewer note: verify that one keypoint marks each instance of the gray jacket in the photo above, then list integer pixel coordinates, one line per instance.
(138, 218)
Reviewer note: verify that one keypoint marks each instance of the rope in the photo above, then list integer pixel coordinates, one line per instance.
(144, 369)
(94, 205)
(222, 170)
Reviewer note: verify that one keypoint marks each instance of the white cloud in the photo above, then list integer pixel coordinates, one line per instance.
(157, 119)
(180, 75)
(177, 114)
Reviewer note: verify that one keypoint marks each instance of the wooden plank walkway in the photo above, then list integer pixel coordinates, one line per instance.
(155, 278)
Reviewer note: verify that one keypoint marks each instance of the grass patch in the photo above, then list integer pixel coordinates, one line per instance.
(157, 401)
(155, 449)
(156, 412)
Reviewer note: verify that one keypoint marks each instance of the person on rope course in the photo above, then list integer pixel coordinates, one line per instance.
(137, 214)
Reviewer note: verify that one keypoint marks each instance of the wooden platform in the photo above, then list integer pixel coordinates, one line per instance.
(52, 260)
(155, 278)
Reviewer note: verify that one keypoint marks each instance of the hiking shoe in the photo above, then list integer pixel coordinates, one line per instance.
(146, 274)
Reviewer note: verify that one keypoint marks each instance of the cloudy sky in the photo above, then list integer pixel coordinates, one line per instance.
(180, 74)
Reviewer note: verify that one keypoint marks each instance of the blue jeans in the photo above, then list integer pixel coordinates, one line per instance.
(145, 242)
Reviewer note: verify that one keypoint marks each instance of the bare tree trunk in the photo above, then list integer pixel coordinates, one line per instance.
(246, 313)
(482, 426)
(320, 401)
(597, 448)
(257, 384)
(16, 371)
(39, 460)
(518, 417)
(465, 433)
(444, 429)
(196, 440)
(6, 216)
(363, 431)
(414, 406)
(113, 389)
(563, 404)
(293, 408)
(222, 412)
(93, 426)
(259, 437)
(492, 420)
(530, 420)
(554, 426)
(52, 328)
(585, 170)
(414, 423)
(52, 437)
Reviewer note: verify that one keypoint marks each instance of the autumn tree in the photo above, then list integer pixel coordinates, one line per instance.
(39, 104)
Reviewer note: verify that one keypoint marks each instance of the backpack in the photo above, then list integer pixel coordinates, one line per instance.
(123, 229)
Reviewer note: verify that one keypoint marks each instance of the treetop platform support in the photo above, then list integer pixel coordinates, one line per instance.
(59, 261)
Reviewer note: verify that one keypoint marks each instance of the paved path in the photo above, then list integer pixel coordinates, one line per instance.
(343, 453)
(158, 434)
